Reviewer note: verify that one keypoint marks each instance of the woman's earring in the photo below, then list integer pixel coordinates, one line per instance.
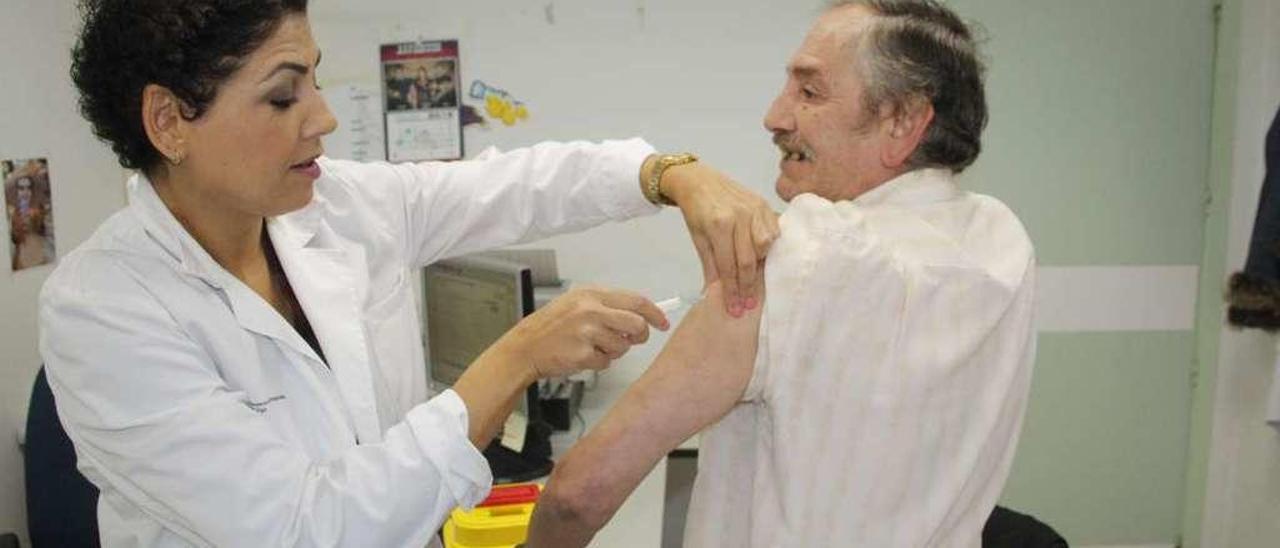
(177, 158)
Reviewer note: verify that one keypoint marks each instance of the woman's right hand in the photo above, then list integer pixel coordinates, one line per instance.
(586, 328)
(583, 329)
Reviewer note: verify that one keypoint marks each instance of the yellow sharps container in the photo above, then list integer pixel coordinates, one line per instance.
(501, 521)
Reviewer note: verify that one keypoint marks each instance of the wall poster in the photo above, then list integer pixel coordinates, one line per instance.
(28, 201)
(423, 115)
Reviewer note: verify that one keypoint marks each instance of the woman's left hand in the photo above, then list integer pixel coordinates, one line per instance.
(732, 229)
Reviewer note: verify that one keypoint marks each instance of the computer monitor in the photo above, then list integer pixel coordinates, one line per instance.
(470, 303)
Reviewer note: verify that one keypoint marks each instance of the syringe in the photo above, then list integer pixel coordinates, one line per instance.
(679, 303)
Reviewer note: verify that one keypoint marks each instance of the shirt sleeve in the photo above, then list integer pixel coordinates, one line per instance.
(447, 209)
(154, 423)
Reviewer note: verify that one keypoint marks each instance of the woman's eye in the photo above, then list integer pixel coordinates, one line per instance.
(283, 104)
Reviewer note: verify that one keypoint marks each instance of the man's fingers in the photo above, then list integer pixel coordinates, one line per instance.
(726, 265)
(708, 258)
(746, 256)
(764, 231)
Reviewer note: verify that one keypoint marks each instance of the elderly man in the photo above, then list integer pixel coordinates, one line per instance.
(879, 400)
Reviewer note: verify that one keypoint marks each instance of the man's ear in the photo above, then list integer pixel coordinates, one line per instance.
(907, 127)
(162, 118)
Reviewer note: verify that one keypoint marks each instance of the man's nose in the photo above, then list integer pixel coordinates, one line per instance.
(779, 119)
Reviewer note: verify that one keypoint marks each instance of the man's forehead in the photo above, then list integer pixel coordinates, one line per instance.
(830, 39)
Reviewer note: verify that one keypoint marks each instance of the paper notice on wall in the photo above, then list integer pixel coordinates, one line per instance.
(420, 101)
(358, 109)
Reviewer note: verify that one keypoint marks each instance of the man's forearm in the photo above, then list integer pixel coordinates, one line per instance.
(595, 478)
(696, 379)
(560, 524)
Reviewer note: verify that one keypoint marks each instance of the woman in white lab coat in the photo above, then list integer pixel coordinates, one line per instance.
(236, 356)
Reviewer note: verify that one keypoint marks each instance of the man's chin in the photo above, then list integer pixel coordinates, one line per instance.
(786, 188)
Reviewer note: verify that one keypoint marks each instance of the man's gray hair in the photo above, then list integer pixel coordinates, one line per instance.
(920, 49)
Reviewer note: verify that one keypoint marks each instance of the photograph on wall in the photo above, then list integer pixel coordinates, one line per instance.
(423, 116)
(28, 201)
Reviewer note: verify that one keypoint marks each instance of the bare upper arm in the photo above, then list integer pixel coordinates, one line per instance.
(696, 379)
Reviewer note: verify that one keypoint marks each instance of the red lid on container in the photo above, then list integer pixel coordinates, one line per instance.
(503, 495)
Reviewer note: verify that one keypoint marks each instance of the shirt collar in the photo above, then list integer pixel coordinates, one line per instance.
(920, 186)
(160, 223)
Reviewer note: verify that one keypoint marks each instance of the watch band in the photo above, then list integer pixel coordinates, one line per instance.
(652, 187)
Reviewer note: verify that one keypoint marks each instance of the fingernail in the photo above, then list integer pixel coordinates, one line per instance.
(751, 303)
(735, 309)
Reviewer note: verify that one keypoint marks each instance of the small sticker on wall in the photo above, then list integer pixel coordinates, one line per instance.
(499, 104)
(28, 199)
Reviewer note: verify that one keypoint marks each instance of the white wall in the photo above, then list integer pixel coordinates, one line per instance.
(1242, 500)
(40, 119)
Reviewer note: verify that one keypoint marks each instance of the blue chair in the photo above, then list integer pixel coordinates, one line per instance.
(62, 506)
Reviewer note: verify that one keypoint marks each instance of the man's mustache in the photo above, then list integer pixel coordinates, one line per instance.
(789, 143)
(785, 140)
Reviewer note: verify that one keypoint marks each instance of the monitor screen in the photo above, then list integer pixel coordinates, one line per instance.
(471, 302)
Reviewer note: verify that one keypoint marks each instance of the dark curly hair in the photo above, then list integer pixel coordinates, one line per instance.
(189, 46)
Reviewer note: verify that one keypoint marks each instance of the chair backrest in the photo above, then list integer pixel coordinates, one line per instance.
(1009, 529)
(62, 506)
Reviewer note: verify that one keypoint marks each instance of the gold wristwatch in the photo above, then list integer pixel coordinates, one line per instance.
(652, 187)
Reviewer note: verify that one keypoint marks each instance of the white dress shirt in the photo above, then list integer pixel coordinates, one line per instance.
(206, 420)
(891, 379)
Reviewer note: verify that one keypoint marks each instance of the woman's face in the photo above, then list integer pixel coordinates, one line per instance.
(24, 189)
(253, 151)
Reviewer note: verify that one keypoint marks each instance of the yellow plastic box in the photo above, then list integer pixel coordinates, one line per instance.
(501, 520)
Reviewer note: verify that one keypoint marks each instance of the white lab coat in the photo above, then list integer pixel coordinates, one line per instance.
(206, 420)
(892, 375)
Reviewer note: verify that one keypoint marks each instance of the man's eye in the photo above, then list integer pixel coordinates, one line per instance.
(808, 93)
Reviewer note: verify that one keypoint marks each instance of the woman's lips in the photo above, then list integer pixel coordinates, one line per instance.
(310, 169)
